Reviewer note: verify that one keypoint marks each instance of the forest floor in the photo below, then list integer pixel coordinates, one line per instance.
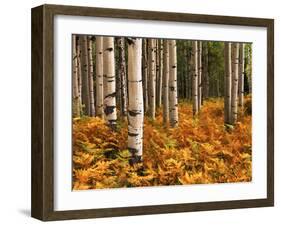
(201, 150)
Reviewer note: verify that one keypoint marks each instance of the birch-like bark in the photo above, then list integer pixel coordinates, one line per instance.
(122, 77)
(195, 77)
(85, 75)
(206, 71)
(241, 75)
(199, 74)
(160, 72)
(227, 82)
(79, 72)
(99, 76)
(173, 90)
(75, 87)
(152, 77)
(91, 75)
(234, 89)
(135, 93)
(145, 74)
(166, 83)
(110, 88)
(250, 69)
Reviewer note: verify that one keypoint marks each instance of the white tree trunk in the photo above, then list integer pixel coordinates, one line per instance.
(199, 74)
(110, 87)
(79, 73)
(159, 72)
(227, 82)
(91, 76)
(85, 75)
(195, 77)
(122, 77)
(152, 77)
(135, 108)
(241, 75)
(99, 76)
(234, 90)
(75, 86)
(205, 71)
(173, 90)
(145, 74)
(166, 83)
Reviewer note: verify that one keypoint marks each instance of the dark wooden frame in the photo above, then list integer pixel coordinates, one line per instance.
(42, 111)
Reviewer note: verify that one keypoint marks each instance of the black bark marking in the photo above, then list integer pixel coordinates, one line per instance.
(135, 81)
(109, 49)
(174, 66)
(110, 95)
(133, 134)
(134, 113)
(109, 110)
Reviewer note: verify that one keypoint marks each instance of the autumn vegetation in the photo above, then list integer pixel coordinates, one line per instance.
(151, 112)
(199, 151)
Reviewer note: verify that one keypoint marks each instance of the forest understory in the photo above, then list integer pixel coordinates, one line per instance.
(201, 150)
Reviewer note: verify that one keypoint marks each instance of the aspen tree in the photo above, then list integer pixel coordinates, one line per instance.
(160, 72)
(99, 76)
(135, 107)
(227, 82)
(234, 89)
(173, 97)
(205, 71)
(85, 75)
(152, 77)
(241, 75)
(75, 91)
(145, 74)
(122, 77)
(195, 77)
(199, 74)
(79, 71)
(91, 75)
(109, 86)
(166, 83)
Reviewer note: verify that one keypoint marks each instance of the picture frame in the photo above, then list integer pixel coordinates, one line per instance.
(43, 33)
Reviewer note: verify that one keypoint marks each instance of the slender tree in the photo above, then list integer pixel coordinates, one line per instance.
(99, 76)
(159, 72)
(110, 87)
(152, 77)
(75, 86)
(195, 77)
(145, 73)
(234, 89)
(79, 71)
(241, 75)
(166, 83)
(135, 108)
(122, 86)
(205, 71)
(85, 75)
(227, 80)
(173, 97)
(199, 74)
(91, 75)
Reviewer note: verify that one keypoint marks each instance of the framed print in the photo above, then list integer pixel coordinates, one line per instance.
(141, 112)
